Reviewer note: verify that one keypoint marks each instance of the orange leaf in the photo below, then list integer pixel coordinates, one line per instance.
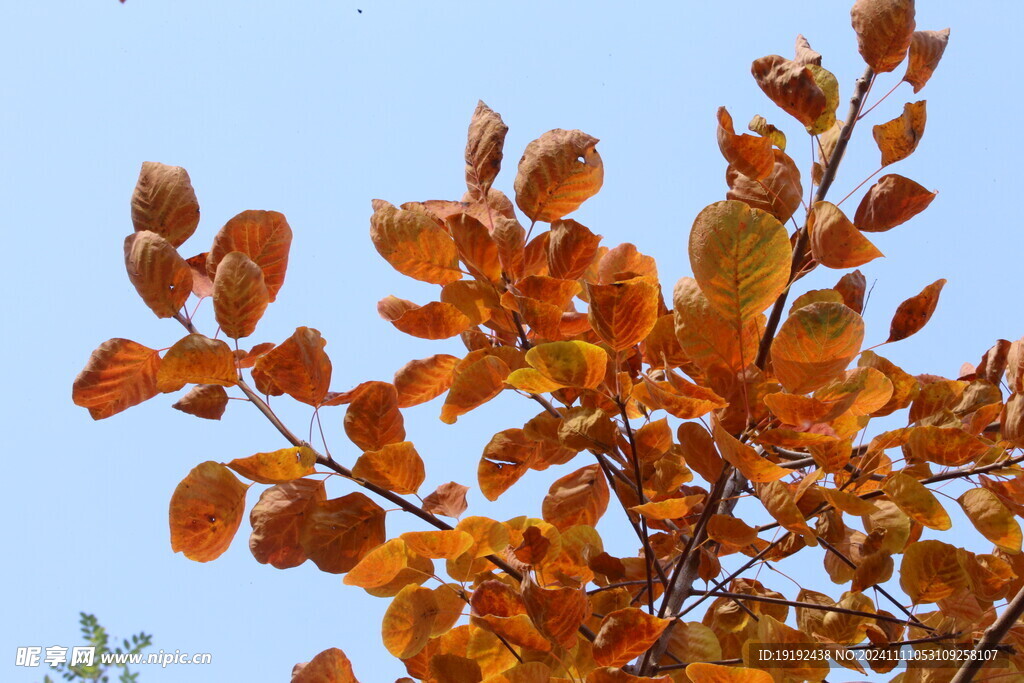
(337, 533)
(623, 263)
(165, 203)
(790, 85)
(161, 277)
(435, 320)
(611, 674)
(678, 398)
(931, 571)
(699, 672)
(206, 510)
(408, 621)
(299, 366)
(992, 519)
(835, 241)
(884, 29)
(623, 313)
(780, 194)
(202, 283)
(382, 565)
(916, 501)
(915, 312)
(240, 295)
(330, 666)
(672, 508)
(277, 520)
(276, 467)
(926, 48)
(206, 400)
(373, 420)
(419, 381)
(749, 154)
(625, 634)
(731, 530)
(891, 201)
(571, 249)
(567, 364)
(558, 172)
(195, 359)
(448, 500)
(699, 450)
(476, 247)
(414, 244)
(557, 612)
(396, 467)
(705, 336)
(580, 497)
(263, 236)
(778, 501)
(897, 139)
(510, 237)
(851, 287)
(473, 386)
(120, 373)
(741, 259)
(438, 545)
(506, 458)
(754, 467)
(484, 149)
(814, 345)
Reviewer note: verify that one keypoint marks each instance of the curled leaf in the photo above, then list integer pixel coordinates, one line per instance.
(926, 48)
(160, 275)
(165, 203)
(558, 172)
(915, 312)
(884, 29)
(897, 139)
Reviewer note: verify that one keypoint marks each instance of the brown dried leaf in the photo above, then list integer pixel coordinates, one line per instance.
(161, 277)
(484, 149)
(779, 194)
(926, 48)
(448, 500)
(337, 533)
(263, 236)
(915, 312)
(891, 201)
(897, 139)
(791, 86)
(299, 366)
(240, 295)
(330, 666)
(557, 173)
(884, 29)
(165, 203)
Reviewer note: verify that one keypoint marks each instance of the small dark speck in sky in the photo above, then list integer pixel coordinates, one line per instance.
(360, 11)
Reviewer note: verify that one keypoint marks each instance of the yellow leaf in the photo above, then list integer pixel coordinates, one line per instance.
(409, 621)
(916, 500)
(276, 467)
(992, 519)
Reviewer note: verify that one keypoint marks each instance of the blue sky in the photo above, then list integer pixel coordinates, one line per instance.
(314, 109)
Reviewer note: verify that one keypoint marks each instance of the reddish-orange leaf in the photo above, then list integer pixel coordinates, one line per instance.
(915, 312)
(699, 450)
(926, 48)
(396, 467)
(276, 467)
(206, 400)
(580, 497)
(419, 381)
(484, 149)
(195, 359)
(754, 467)
(623, 313)
(731, 530)
(120, 373)
(931, 571)
(779, 502)
(161, 277)
(414, 244)
(611, 674)
(372, 419)
(330, 666)
(897, 139)
(948, 446)
(299, 366)
(476, 247)
(558, 612)
(240, 295)
(473, 386)
(851, 287)
(904, 386)
(337, 533)
(409, 621)
(749, 154)
(992, 519)
(247, 359)
(571, 249)
(661, 348)
(891, 201)
(814, 345)
(506, 458)
(884, 29)
(780, 194)
(448, 500)
(263, 236)
(202, 283)
(206, 510)
(435, 320)
(790, 85)
(625, 634)
(700, 672)
(679, 398)
(558, 172)
(277, 520)
(510, 237)
(741, 259)
(835, 241)
(623, 263)
(165, 203)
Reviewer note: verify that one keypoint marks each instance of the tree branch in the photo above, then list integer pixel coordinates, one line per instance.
(992, 637)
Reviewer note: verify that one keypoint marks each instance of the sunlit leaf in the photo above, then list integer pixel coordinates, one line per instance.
(205, 400)
(815, 344)
(915, 312)
(477, 249)
(195, 359)
(897, 139)
(337, 533)
(165, 203)
(330, 666)
(408, 621)
(705, 336)
(395, 466)
(473, 386)
(448, 500)
(413, 244)
(447, 544)
(419, 381)
(559, 171)
(435, 320)
(926, 48)
(373, 420)
(623, 313)
(931, 571)
(568, 364)
(626, 634)
(779, 502)
(780, 194)
(992, 519)
(263, 236)
(120, 373)
(276, 467)
(916, 501)
(580, 497)
(754, 467)
(506, 458)
(240, 295)
(884, 29)
(160, 275)
(791, 86)
(751, 155)
(206, 510)
(835, 241)
(700, 672)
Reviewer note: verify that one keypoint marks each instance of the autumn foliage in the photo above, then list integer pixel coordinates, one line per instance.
(738, 387)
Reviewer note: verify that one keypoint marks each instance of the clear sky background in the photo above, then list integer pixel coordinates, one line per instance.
(314, 109)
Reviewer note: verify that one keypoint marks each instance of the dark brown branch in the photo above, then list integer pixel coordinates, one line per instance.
(993, 636)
